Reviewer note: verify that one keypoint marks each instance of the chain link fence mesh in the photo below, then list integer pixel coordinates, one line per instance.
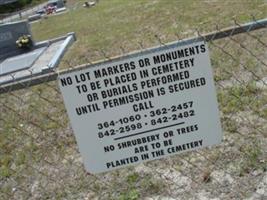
(39, 157)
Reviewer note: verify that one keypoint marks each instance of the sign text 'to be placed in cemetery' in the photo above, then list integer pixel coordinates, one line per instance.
(142, 107)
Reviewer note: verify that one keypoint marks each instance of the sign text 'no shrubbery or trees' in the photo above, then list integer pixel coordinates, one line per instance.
(143, 107)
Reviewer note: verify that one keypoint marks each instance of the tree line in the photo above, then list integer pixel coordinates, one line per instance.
(18, 5)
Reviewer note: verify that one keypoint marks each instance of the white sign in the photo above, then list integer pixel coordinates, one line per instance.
(143, 107)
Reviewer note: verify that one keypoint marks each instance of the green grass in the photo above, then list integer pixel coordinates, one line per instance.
(113, 24)
(251, 159)
(130, 195)
(241, 98)
(136, 185)
(36, 140)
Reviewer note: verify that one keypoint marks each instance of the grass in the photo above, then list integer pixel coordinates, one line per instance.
(113, 24)
(251, 160)
(38, 151)
(137, 185)
(240, 97)
(130, 195)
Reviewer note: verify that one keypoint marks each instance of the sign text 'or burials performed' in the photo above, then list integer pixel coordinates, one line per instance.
(143, 107)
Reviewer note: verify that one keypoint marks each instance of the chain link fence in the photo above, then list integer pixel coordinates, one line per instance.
(39, 157)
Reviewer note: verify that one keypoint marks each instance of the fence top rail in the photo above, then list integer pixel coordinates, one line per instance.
(215, 35)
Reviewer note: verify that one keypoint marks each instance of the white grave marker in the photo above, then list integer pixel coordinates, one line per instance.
(143, 107)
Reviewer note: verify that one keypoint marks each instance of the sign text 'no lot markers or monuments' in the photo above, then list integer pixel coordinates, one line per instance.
(143, 106)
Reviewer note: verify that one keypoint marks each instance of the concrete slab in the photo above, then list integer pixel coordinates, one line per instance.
(20, 62)
(50, 54)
